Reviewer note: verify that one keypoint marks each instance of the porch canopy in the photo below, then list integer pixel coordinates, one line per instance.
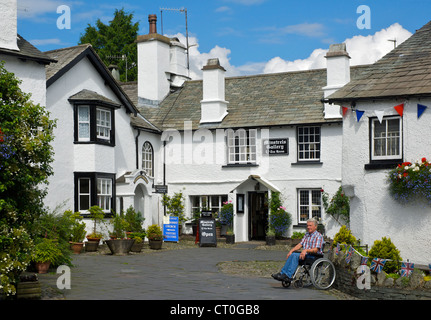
(262, 181)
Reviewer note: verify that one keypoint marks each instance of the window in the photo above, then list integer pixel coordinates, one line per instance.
(241, 146)
(84, 123)
(211, 203)
(310, 204)
(104, 194)
(103, 124)
(309, 144)
(93, 189)
(147, 158)
(94, 124)
(386, 139)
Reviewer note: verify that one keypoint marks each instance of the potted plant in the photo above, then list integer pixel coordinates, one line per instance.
(270, 237)
(134, 220)
(119, 244)
(77, 230)
(155, 237)
(46, 252)
(139, 241)
(296, 237)
(230, 236)
(175, 207)
(97, 215)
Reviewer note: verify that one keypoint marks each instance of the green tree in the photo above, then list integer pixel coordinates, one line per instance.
(25, 158)
(114, 40)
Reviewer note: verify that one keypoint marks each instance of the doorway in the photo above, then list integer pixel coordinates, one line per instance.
(258, 215)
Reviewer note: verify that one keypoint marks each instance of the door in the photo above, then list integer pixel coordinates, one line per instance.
(258, 215)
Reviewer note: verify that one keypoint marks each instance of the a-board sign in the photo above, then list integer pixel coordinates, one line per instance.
(170, 230)
(207, 233)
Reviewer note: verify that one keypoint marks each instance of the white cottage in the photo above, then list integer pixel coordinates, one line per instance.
(386, 123)
(241, 138)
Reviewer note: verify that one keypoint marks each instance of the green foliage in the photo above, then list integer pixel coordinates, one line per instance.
(134, 219)
(344, 236)
(297, 235)
(175, 205)
(385, 249)
(119, 226)
(77, 229)
(154, 232)
(47, 250)
(226, 213)
(97, 215)
(280, 220)
(26, 133)
(338, 207)
(115, 39)
(138, 236)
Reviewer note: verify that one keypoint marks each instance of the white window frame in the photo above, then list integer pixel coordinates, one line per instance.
(104, 194)
(387, 138)
(242, 146)
(307, 142)
(209, 202)
(84, 194)
(310, 209)
(103, 123)
(84, 122)
(148, 158)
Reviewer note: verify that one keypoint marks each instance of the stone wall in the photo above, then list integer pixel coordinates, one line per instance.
(381, 288)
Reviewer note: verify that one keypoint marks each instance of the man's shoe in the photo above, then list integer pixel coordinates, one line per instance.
(276, 276)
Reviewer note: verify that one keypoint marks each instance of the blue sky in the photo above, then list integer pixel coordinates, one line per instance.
(249, 36)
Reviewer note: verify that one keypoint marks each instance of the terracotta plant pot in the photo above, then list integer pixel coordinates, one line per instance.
(42, 267)
(76, 247)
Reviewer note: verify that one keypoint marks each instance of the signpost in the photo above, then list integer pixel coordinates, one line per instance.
(207, 230)
(170, 230)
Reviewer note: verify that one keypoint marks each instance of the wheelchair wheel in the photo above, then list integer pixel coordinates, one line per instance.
(322, 273)
(286, 283)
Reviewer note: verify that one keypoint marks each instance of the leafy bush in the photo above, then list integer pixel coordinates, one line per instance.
(226, 213)
(338, 207)
(385, 249)
(297, 235)
(175, 205)
(344, 236)
(154, 232)
(134, 219)
(47, 250)
(280, 219)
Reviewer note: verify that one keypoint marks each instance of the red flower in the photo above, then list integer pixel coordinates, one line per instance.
(424, 159)
(405, 174)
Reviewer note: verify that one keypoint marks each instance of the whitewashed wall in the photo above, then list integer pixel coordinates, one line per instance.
(374, 214)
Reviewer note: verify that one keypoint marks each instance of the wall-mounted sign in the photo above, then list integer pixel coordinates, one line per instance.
(276, 146)
(160, 188)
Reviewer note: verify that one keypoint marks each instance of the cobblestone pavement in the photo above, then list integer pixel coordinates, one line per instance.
(192, 273)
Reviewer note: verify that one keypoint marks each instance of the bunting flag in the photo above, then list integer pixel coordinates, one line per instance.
(379, 115)
(349, 254)
(421, 109)
(407, 269)
(400, 109)
(359, 114)
(364, 260)
(377, 264)
(337, 250)
(345, 109)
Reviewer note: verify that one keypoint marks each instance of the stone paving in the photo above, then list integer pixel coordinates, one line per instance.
(186, 274)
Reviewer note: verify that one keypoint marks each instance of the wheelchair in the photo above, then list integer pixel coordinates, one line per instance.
(315, 270)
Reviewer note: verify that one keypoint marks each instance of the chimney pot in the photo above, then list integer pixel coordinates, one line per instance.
(152, 19)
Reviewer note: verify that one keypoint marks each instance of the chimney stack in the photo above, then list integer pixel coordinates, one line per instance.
(213, 104)
(8, 25)
(152, 19)
(337, 74)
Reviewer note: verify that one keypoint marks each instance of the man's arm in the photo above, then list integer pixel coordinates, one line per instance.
(295, 248)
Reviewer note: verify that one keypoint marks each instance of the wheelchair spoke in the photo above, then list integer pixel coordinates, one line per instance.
(322, 273)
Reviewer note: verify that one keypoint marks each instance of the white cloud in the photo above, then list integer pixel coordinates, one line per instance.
(362, 50)
(44, 42)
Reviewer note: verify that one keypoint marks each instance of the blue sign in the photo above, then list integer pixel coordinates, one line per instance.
(170, 230)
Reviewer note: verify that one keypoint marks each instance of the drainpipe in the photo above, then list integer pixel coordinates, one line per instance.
(137, 149)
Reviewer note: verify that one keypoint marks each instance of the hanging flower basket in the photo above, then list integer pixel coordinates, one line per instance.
(410, 182)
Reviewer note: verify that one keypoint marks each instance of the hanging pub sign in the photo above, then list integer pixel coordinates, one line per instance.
(279, 146)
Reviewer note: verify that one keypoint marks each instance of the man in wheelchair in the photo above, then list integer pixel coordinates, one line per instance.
(311, 244)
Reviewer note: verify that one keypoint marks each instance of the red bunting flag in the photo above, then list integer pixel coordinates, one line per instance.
(400, 109)
(345, 110)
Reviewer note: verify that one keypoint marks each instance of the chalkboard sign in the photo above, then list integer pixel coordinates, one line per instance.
(207, 233)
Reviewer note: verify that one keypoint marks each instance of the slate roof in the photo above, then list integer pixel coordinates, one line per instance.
(405, 71)
(28, 52)
(254, 101)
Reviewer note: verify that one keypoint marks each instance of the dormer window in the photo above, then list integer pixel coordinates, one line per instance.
(94, 118)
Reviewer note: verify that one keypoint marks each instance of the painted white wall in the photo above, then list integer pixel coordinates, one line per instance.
(32, 75)
(374, 213)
